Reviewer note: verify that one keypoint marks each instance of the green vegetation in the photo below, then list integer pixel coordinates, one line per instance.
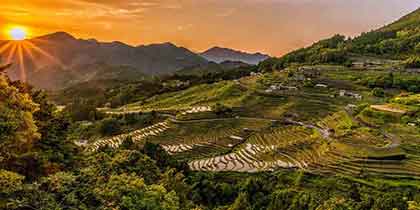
(399, 40)
(412, 62)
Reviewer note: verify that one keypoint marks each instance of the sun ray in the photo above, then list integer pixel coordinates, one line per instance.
(28, 52)
(12, 53)
(42, 41)
(52, 58)
(21, 63)
(5, 47)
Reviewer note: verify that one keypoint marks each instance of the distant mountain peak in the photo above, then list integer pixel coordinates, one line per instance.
(58, 36)
(76, 54)
(164, 44)
(220, 54)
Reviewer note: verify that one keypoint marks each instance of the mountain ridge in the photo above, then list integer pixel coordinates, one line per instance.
(62, 53)
(399, 41)
(219, 54)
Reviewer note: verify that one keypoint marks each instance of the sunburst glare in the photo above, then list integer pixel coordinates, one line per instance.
(20, 47)
(17, 33)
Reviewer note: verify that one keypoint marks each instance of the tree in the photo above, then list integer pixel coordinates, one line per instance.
(130, 192)
(109, 126)
(412, 62)
(222, 110)
(81, 110)
(241, 203)
(57, 151)
(412, 205)
(10, 182)
(378, 92)
(18, 130)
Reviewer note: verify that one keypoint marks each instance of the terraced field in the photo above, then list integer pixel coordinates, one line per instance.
(391, 163)
(195, 139)
(202, 95)
(136, 136)
(284, 147)
(309, 130)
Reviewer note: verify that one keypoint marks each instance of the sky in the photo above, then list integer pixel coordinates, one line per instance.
(269, 26)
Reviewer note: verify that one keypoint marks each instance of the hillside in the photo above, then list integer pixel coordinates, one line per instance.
(410, 21)
(56, 58)
(397, 41)
(219, 55)
(212, 67)
(323, 122)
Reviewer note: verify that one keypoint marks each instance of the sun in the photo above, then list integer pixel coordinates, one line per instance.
(18, 33)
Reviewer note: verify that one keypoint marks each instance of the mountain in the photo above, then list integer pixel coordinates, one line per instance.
(410, 21)
(58, 59)
(212, 67)
(397, 41)
(218, 55)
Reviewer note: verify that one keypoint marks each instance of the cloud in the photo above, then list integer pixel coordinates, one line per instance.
(273, 26)
(226, 12)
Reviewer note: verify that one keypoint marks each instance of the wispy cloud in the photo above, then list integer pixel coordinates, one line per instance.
(273, 26)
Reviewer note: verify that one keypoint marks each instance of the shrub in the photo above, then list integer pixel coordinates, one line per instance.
(222, 110)
(308, 83)
(412, 62)
(109, 126)
(378, 92)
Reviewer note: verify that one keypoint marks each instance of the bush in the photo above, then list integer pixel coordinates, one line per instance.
(109, 126)
(222, 110)
(412, 62)
(308, 83)
(378, 92)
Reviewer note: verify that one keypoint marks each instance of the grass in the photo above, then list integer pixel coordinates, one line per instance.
(357, 148)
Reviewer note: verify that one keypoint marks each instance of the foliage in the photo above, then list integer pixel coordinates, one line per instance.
(378, 92)
(222, 110)
(33, 137)
(413, 99)
(399, 40)
(10, 181)
(393, 80)
(109, 126)
(18, 130)
(82, 109)
(412, 62)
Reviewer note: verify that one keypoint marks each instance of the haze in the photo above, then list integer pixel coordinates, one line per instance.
(268, 26)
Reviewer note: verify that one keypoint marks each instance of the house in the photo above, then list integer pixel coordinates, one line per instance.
(255, 74)
(288, 87)
(236, 138)
(344, 93)
(309, 71)
(81, 143)
(273, 88)
(321, 86)
(351, 106)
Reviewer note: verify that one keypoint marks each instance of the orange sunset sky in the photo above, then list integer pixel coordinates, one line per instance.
(269, 26)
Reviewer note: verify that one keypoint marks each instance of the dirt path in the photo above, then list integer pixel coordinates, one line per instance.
(387, 108)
